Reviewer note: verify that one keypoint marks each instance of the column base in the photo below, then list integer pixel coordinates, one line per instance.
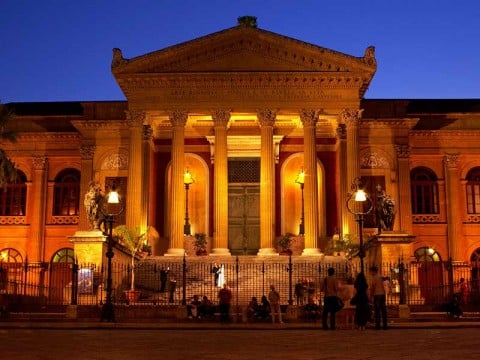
(175, 252)
(220, 252)
(311, 252)
(267, 252)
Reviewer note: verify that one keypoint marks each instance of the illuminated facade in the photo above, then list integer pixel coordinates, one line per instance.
(245, 110)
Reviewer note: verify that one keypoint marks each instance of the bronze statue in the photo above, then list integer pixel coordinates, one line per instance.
(92, 201)
(385, 210)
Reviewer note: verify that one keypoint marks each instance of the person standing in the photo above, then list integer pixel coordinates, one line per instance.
(172, 286)
(215, 272)
(274, 298)
(221, 277)
(163, 278)
(225, 299)
(330, 300)
(360, 301)
(379, 296)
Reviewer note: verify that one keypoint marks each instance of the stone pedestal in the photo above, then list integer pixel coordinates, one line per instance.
(89, 247)
(390, 246)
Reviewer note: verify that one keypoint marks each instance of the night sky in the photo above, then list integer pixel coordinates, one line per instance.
(60, 50)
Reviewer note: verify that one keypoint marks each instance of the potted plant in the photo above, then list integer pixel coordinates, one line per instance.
(134, 240)
(200, 244)
(284, 243)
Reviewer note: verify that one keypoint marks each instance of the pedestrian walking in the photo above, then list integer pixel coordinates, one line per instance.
(379, 296)
(361, 302)
(274, 299)
(330, 301)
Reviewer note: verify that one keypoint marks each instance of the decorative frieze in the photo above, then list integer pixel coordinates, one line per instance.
(425, 218)
(12, 220)
(115, 162)
(64, 220)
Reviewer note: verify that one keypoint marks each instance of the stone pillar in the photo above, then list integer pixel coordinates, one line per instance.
(404, 214)
(344, 215)
(178, 119)
(86, 170)
(454, 218)
(309, 120)
(134, 206)
(146, 137)
(266, 119)
(351, 118)
(38, 215)
(220, 185)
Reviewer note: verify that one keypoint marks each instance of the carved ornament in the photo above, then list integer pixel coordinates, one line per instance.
(147, 133)
(452, 160)
(135, 118)
(351, 117)
(403, 151)
(266, 117)
(309, 117)
(115, 162)
(373, 160)
(39, 162)
(341, 132)
(221, 117)
(87, 152)
(178, 118)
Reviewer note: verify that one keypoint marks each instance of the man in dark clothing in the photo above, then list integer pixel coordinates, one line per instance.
(225, 298)
(163, 278)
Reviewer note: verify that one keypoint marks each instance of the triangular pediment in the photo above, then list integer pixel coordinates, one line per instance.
(244, 49)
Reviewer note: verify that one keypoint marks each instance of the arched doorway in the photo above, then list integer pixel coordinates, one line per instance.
(11, 270)
(475, 278)
(61, 276)
(430, 275)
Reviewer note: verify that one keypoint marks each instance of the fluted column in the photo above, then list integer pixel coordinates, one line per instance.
(134, 184)
(37, 224)
(86, 170)
(351, 118)
(343, 179)
(454, 220)
(404, 191)
(178, 119)
(309, 120)
(266, 119)
(146, 137)
(220, 186)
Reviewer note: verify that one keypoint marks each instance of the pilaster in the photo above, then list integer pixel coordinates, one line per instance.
(309, 120)
(404, 190)
(147, 133)
(37, 227)
(220, 236)
(454, 225)
(344, 215)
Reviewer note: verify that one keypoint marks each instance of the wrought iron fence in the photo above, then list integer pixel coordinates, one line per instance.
(426, 283)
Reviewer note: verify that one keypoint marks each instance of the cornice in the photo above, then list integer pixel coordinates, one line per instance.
(447, 134)
(48, 136)
(388, 123)
(100, 124)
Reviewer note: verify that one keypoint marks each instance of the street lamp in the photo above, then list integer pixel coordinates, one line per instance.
(300, 179)
(187, 180)
(112, 207)
(355, 205)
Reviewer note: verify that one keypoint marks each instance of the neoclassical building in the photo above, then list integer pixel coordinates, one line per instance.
(245, 111)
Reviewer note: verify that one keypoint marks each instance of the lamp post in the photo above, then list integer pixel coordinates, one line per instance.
(300, 179)
(111, 208)
(355, 205)
(187, 180)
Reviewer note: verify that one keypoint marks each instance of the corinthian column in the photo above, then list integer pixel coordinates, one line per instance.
(343, 180)
(134, 184)
(351, 118)
(266, 119)
(86, 171)
(454, 220)
(178, 119)
(404, 190)
(146, 137)
(220, 186)
(309, 120)
(37, 227)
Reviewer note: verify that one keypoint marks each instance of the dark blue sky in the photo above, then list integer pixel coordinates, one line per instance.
(60, 50)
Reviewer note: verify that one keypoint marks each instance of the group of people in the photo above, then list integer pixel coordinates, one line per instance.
(365, 295)
(268, 308)
(203, 309)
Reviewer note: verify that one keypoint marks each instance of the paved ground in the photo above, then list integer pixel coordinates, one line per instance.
(229, 342)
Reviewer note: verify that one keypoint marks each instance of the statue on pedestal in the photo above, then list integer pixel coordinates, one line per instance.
(92, 201)
(385, 211)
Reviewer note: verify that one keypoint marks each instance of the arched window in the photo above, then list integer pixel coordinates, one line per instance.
(10, 255)
(14, 196)
(473, 191)
(65, 255)
(67, 193)
(427, 254)
(424, 190)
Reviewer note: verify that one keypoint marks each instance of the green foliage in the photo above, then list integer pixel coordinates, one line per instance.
(285, 242)
(8, 173)
(344, 245)
(200, 242)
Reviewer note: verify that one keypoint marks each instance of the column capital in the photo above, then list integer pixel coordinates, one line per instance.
(452, 160)
(147, 133)
(135, 118)
(351, 117)
(309, 117)
(178, 118)
(341, 131)
(403, 151)
(39, 162)
(221, 117)
(266, 117)
(87, 152)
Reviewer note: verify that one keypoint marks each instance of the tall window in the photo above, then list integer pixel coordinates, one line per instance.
(67, 193)
(473, 191)
(14, 196)
(424, 191)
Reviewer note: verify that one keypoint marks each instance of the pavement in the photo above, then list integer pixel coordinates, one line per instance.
(416, 321)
